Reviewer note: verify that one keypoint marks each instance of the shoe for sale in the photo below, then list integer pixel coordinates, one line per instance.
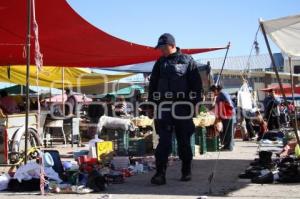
(289, 179)
(250, 173)
(264, 179)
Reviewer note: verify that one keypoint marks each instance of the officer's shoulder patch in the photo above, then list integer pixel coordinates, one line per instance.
(186, 58)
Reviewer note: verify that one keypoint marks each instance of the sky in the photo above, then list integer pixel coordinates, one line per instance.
(194, 23)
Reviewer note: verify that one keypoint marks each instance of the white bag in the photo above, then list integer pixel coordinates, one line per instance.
(4, 180)
(244, 98)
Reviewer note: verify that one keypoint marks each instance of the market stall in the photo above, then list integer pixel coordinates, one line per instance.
(89, 47)
(284, 142)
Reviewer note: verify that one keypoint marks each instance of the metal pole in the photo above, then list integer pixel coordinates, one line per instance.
(293, 99)
(273, 61)
(219, 77)
(276, 71)
(63, 90)
(29, 4)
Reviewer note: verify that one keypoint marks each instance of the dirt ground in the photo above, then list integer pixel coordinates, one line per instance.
(225, 185)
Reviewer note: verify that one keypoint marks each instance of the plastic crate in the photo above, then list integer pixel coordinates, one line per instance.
(201, 132)
(213, 144)
(197, 136)
(175, 147)
(119, 138)
(137, 147)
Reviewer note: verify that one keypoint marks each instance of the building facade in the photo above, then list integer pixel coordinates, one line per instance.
(257, 70)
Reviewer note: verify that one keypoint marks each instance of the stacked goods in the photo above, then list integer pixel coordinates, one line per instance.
(204, 119)
(200, 136)
(142, 121)
(212, 144)
(120, 139)
(137, 147)
(175, 147)
(267, 169)
(212, 139)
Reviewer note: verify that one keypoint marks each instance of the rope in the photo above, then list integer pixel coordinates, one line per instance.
(212, 175)
(254, 46)
(213, 171)
(38, 54)
(42, 175)
(223, 65)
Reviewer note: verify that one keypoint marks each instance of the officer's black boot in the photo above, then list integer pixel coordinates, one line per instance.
(160, 177)
(186, 171)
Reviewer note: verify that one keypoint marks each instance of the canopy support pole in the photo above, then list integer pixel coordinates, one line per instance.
(276, 71)
(63, 90)
(293, 97)
(29, 4)
(221, 72)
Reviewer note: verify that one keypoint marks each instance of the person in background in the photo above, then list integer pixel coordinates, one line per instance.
(133, 106)
(109, 105)
(263, 126)
(284, 114)
(44, 104)
(8, 104)
(224, 111)
(245, 105)
(95, 110)
(291, 107)
(272, 112)
(143, 106)
(20, 100)
(70, 104)
(121, 108)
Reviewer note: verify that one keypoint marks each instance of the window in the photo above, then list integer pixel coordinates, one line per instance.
(296, 69)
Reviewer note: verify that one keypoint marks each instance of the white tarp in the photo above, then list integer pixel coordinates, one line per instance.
(134, 68)
(285, 32)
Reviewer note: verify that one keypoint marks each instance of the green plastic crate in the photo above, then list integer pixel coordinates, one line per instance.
(202, 139)
(137, 147)
(213, 144)
(119, 138)
(175, 147)
(197, 136)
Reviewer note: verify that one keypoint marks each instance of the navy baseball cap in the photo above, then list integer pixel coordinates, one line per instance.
(165, 39)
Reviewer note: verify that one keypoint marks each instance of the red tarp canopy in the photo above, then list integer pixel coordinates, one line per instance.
(66, 39)
(287, 89)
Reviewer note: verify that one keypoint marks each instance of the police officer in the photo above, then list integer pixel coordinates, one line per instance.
(175, 88)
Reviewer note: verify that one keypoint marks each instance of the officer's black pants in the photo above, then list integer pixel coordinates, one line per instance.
(183, 130)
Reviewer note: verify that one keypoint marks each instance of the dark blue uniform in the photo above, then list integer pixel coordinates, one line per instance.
(175, 79)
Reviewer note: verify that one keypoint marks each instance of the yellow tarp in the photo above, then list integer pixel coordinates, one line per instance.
(52, 76)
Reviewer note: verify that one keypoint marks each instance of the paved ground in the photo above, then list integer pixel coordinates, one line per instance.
(226, 183)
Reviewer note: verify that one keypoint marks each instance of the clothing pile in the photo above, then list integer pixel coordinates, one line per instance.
(266, 170)
(273, 137)
(27, 177)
